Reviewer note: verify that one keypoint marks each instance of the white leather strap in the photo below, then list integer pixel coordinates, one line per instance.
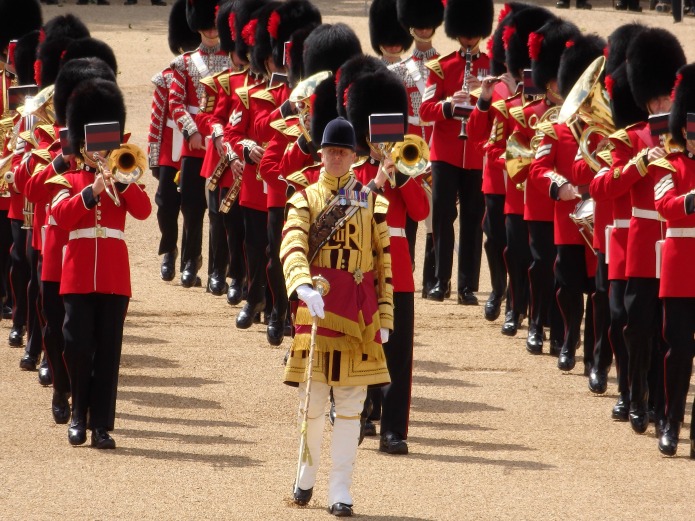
(396, 232)
(621, 223)
(97, 232)
(681, 233)
(646, 214)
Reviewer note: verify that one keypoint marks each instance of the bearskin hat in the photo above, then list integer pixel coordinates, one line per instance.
(653, 59)
(328, 47)
(496, 46)
(65, 26)
(244, 12)
(618, 42)
(200, 14)
(261, 48)
(181, 37)
(323, 108)
(468, 18)
(379, 93)
(225, 25)
(683, 102)
(48, 60)
(625, 109)
(295, 54)
(384, 28)
(546, 46)
(72, 74)
(93, 101)
(420, 14)
(90, 48)
(350, 71)
(18, 18)
(25, 56)
(291, 16)
(578, 55)
(515, 37)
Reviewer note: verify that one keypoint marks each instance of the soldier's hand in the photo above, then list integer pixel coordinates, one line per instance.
(219, 146)
(385, 172)
(488, 87)
(195, 142)
(98, 185)
(312, 299)
(509, 81)
(256, 154)
(384, 333)
(656, 153)
(567, 192)
(473, 83)
(460, 98)
(237, 167)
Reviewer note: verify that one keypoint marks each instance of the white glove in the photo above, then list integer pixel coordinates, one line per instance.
(312, 299)
(384, 331)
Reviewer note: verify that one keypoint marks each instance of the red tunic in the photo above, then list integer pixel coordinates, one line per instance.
(164, 141)
(96, 264)
(409, 199)
(674, 177)
(446, 78)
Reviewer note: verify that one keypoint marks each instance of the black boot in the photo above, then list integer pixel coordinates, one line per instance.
(189, 274)
(168, 269)
(45, 377)
(668, 443)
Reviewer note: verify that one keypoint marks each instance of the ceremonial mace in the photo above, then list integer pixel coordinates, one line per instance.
(322, 286)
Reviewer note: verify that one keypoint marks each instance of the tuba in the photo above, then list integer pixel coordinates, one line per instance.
(301, 97)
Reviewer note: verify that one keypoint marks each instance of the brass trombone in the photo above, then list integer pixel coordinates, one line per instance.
(126, 165)
(410, 156)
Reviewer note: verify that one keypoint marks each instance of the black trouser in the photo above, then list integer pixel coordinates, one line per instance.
(642, 337)
(517, 257)
(572, 283)
(603, 355)
(5, 260)
(679, 328)
(192, 207)
(34, 319)
(276, 277)
(168, 201)
(218, 250)
(255, 244)
(54, 315)
(411, 235)
(20, 272)
(544, 306)
(93, 331)
(618, 321)
(495, 243)
(448, 183)
(234, 226)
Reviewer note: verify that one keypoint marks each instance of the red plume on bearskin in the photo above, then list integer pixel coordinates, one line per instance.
(524, 19)
(609, 85)
(569, 44)
(490, 49)
(546, 47)
(232, 28)
(248, 33)
(679, 79)
(504, 12)
(535, 41)
(37, 72)
(507, 35)
(274, 25)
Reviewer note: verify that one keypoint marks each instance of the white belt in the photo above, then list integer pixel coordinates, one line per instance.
(99, 231)
(621, 223)
(396, 232)
(192, 110)
(688, 233)
(646, 214)
(52, 221)
(170, 123)
(415, 120)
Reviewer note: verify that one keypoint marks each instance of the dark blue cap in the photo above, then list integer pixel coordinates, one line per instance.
(339, 133)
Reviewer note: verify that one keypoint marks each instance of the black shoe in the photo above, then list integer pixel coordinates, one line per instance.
(635, 8)
(234, 293)
(493, 308)
(77, 432)
(369, 428)
(566, 361)
(168, 269)
(563, 4)
(60, 407)
(16, 338)
(45, 376)
(7, 312)
(288, 327)
(341, 510)
(82, 2)
(621, 408)
(598, 381)
(555, 347)
(620, 5)
(217, 285)
(511, 323)
(189, 274)
(101, 439)
(103, 2)
(275, 331)
(247, 315)
(639, 418)
(28, 362)
(302, 497)
(668, 443)
(659, 427)
(583, 5)
(130, 2)
(159, 2)
(437, 292)
(392, 443)
(467, 298)
(534, 340)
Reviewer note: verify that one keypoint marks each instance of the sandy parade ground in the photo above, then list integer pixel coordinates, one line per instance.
(206, 429)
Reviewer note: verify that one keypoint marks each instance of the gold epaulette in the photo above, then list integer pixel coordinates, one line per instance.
(43, 154)
(664, 163)
(264, 95)
(58, 180)
(606, 156)
(547, 128)
(223, 79)
(497, 133)
(26, 136)
(501, 107)
(621, 136)
(436, 67)
(243, 93)
(293, 131)
(209, 81)
(518, 114)
(381, 205)
(49, 130)
(360, 161)
(477, 92)
(279, 125)
(39, 168)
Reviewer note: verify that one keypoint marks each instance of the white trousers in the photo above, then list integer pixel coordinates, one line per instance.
(349, 402)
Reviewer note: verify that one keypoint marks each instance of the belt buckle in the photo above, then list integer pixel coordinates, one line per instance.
(358, 276)
(99, 232)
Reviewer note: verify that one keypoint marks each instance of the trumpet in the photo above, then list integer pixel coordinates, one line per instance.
(125, 164)
(410, 156)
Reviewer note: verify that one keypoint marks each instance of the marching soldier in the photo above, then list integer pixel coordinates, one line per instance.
(165, 142)
(456, 164)
(388, 37)
(349, 353)
(185, 98)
